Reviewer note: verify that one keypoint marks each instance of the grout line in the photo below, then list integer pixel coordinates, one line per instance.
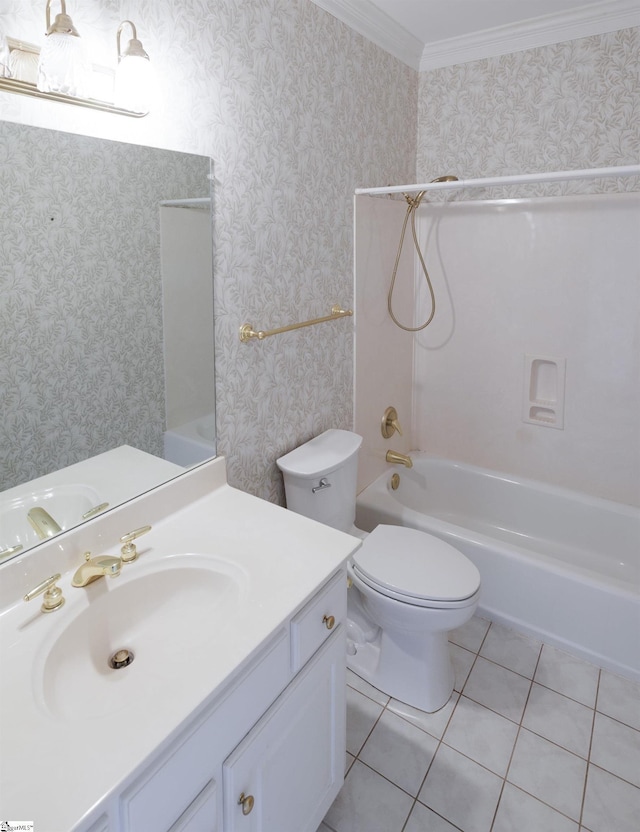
(586, 773)
(513, 750)
(444, 731)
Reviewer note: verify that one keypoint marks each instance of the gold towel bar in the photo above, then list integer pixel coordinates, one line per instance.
(247, 332)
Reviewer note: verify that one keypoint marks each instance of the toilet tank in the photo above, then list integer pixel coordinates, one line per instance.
(320, 478)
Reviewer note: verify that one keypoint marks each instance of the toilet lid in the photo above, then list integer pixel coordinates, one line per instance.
(416, 564)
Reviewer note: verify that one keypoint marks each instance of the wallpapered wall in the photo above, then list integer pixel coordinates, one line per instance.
(567, 106)
(297, 110)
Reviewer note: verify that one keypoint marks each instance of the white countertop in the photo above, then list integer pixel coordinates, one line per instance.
(54, 769)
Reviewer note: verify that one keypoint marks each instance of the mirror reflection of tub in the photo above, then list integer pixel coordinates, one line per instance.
(191, 443)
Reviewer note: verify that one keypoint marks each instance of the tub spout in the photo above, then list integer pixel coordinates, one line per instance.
(399, 459)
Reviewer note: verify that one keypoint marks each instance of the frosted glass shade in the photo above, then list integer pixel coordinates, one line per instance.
(63, 66)
(5, 72)
(134, 84)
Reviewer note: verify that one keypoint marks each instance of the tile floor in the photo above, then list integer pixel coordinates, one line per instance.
(532, 740)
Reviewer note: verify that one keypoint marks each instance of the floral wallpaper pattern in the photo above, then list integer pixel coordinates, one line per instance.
(568, 106)
(81, 359)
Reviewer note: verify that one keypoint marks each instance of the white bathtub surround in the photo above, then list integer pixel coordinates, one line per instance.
(383, 352)
(546, 761)
(553, 563)
(551, 317)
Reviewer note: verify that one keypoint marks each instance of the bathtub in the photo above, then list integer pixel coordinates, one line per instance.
(555, 564)
(191, 443)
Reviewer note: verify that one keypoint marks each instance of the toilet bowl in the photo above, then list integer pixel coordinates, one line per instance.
(408, 588)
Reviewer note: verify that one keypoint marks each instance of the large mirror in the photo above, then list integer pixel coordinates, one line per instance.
(106, 326)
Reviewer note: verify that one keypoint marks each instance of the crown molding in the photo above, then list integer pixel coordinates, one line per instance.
(376, 26)
(596, 19)
(593, 19)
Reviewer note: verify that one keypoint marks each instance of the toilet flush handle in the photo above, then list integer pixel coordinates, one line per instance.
(324, 483)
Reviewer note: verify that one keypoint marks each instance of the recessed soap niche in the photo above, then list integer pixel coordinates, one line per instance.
(543, 401)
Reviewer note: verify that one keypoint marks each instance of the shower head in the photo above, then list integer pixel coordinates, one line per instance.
(448, 178)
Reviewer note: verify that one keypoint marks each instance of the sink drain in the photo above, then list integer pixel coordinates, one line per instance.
(121, 658)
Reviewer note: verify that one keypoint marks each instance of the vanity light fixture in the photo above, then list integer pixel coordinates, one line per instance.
(61, 71)
(134, 75)
(63, 66)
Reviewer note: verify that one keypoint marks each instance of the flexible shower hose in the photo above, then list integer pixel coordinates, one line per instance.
(413, 203)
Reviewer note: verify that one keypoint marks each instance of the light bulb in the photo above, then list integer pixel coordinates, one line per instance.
(63, 66)
(134, 83)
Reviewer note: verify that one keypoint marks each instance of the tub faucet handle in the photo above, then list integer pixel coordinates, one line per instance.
(390, 423)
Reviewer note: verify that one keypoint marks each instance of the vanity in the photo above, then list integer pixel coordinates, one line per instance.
(202, 689)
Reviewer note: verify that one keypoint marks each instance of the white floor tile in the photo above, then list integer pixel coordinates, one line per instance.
(360, 684)
(567, 674)
(486, 737)
(559, 719)
(433, 724)
(497, 688)
(362, 714)
(619, 698)
(461, 791)
(545, 776)
(399, 751)
(368, 803)
(512, 650)
(423, 819)
(610, 803)
(548, 772)
(471, 634)
(519, 812)
(616, 748)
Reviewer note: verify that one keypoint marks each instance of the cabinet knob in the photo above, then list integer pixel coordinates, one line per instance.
(246, 801)
(329, 621)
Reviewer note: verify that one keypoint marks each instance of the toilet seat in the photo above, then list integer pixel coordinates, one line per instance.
(416, 568)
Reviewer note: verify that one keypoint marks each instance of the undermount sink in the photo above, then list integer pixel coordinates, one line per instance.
(170, 616)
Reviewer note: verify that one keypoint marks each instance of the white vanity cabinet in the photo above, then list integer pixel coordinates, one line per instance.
(283, 775)
(265, 756)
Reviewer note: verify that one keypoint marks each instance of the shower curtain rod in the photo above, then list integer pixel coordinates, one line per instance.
(521, 179)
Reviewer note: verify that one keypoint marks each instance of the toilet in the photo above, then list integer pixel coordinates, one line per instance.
(409, 588)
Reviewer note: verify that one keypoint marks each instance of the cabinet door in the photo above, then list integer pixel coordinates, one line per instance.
(290, 766)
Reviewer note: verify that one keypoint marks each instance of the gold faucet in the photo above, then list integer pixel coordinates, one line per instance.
(94, 568)
(399, 459)
(42, 523)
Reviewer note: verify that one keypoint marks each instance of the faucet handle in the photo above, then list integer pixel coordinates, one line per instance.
(128, 551)
(53, 598)
(390, 423)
